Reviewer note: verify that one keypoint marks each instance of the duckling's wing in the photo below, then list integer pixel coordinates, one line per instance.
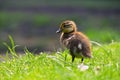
(86, 48)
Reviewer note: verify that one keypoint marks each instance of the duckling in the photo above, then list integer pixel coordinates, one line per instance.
(76, 42)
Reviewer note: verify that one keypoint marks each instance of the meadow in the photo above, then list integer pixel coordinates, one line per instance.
(104, 65)
(27, 21)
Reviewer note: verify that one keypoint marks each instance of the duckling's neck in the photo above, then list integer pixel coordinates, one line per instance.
(66, 35)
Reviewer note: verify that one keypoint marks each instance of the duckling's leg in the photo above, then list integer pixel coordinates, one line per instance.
(73, 58)
(82, 60)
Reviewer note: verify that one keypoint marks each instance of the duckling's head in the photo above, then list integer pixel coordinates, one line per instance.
(67, 26)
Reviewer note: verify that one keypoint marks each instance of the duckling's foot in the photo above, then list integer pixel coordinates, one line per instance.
(83, 67)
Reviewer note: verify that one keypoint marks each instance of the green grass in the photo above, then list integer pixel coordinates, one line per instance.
(105, 65)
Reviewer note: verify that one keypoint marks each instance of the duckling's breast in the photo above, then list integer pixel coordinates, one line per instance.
(66, 39)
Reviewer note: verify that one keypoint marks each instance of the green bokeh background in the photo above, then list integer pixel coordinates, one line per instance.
(33, 23)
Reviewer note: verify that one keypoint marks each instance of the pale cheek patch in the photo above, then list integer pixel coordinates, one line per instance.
(80, 46)
(67, 30)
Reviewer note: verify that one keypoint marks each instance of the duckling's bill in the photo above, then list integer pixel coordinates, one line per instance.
(59, 31)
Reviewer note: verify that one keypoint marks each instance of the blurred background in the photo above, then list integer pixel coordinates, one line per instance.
(33, 23)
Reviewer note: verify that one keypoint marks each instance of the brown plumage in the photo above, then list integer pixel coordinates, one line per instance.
(77, 43)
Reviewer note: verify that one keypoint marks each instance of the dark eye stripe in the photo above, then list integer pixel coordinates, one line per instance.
(67, 26)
